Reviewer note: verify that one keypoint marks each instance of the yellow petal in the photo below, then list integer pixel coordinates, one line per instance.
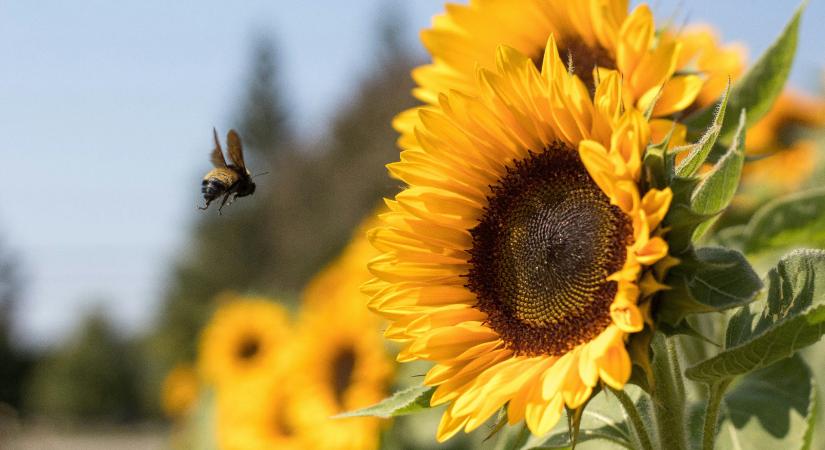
(449, 425)
(595, 159)
(654, 250)
(574, 390)
(625, 195)
(655, 68)
(541, 417)
(677, 95)
(615, 367)
(655, 204)
(661, 128)
(634, 38)
(626, 316)
(593, 351)
(518, 404)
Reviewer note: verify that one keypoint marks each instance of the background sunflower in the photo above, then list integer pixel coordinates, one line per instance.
(670, 71)
(783, 145)
(343, 361)
(259, 414)
(244, 341)
(180, 391)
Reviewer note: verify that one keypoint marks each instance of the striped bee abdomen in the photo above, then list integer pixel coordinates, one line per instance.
(212, 188)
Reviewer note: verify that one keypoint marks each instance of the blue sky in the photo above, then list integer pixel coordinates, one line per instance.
(106, 110)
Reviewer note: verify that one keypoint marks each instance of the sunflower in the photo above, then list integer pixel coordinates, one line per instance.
(517, 257)
(179, 391)
(243, 340)
(256, 414)
(782, 142)
(592, 36)
(342, 358)
(703, 53)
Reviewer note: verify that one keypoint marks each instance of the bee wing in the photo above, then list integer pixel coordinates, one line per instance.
(217, 153)
(233, 140)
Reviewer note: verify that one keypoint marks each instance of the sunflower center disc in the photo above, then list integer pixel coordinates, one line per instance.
(542, 251)
(249, 348)
(583, 58)
(279, 420)
(342, 366)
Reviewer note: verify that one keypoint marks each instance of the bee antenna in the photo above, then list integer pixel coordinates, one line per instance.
(259, 174)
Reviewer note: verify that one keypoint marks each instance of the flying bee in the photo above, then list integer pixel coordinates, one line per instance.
(230, 180)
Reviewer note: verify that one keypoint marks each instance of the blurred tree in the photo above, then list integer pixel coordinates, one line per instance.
(262, 118)
(343, 177)
(92, 377)
(16, 363)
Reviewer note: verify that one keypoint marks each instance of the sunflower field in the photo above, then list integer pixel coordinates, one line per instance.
(579, 226)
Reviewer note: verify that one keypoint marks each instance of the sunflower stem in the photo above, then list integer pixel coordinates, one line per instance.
(716, 392)
(668, 395)
(638, 427)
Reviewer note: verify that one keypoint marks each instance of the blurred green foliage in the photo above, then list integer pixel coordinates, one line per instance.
(16, 364)
(93, 377)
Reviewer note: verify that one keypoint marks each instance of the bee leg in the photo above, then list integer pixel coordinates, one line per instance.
(223, 202)
(205, 206)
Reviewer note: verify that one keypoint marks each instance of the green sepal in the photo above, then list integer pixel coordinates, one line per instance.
(788, 315)
(677, 303)
(660, 162)
(716, 190)
(701, 150)
(682, 223)
(409, 401)
(756, 91)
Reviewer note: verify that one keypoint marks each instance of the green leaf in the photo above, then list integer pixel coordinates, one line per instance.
(685, 328)
(772, 408)
(402, 403)
(731, 237)
(756, 91)
(797, 220)
(712, 279)
(789, 315)
(723, 279)
(815, 357)
(608, 433)
(716, 190)
(701, 150)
